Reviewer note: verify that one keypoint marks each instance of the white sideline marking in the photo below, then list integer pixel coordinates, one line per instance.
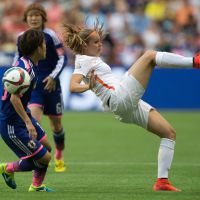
(127, 163)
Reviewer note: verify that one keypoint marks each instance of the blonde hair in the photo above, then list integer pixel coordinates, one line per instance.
(76, 38)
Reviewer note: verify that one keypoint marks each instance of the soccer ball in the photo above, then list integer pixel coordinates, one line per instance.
(16, 80)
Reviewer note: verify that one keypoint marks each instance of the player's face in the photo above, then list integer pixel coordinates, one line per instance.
(34, 19)
(94, 45)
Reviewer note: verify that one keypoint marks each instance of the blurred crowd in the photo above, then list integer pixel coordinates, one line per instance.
(132, 25)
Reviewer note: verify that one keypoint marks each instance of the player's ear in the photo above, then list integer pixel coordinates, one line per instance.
(84, 48)
(38, 50)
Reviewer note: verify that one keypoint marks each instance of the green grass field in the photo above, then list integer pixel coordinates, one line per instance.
(108, 160)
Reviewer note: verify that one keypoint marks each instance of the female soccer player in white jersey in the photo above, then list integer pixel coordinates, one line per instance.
(124, 97)
(19, 130)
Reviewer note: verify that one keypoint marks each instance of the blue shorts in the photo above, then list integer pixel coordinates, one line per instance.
(16, 136)
(50, 102)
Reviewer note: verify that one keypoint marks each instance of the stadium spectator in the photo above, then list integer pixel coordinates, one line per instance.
(123, 19)
(156, 10)
(119, 21)
(19, 130)
(54, 13)
(95, 13)
(46, 98)
(140, 20)
(123, 98)
(184, 15)
(151, 35)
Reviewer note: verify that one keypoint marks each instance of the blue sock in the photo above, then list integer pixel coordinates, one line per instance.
(59, 139)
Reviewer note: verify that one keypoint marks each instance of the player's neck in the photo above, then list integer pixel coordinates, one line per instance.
(34, 59)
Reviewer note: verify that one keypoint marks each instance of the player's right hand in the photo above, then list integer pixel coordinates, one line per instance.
(31, 130)
(50, 85)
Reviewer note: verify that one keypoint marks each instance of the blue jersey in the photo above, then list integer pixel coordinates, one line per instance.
(56, 58)
(7, 111)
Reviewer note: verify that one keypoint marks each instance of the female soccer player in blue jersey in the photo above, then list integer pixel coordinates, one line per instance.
(46, 98)
(123, 97)
(20, 131)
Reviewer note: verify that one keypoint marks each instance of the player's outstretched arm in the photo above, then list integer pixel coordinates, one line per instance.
(76, 85)
(76, 82)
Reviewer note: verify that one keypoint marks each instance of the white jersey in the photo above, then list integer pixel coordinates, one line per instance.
(106, 81)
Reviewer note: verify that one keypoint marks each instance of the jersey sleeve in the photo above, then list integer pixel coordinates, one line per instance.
(85, 66)
(62, 56)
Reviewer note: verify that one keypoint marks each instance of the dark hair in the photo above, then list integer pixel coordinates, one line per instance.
(30, 40)
(36, 7)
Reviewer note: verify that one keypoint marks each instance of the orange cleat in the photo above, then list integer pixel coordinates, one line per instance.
(196, 61)
(164, 185)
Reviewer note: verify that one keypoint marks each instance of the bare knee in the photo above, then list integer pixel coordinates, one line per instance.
(160, 126)
(48, 159)
(46, 144)
(45, 159)
(150, 56)
(56, 124)
(57, 128)
(49, 148)
(171, 134)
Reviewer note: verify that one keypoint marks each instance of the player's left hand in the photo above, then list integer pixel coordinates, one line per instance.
(50, 84)
(92, 80)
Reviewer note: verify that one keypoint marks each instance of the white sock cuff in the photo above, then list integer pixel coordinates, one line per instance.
(159, 56)
(167, 143)
(171, 60)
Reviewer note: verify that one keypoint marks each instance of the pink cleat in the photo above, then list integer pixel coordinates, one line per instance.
(164, 185)
(196, 61)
